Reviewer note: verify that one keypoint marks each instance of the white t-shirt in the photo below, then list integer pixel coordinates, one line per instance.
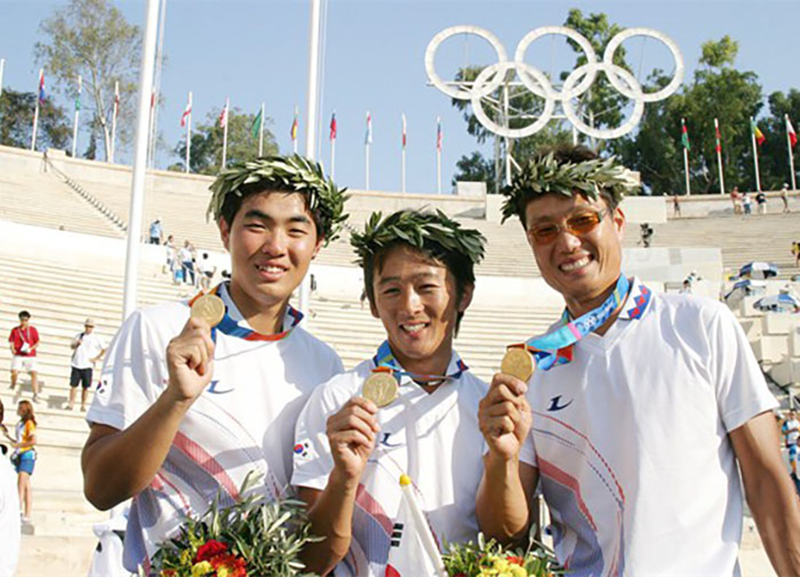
(9, 518)
(244, 421)
(90, 347)
(631, 440)
(434, 438)
(791, 431)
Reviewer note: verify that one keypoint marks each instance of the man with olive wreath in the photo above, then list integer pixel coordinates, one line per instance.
(642, 409)
(411, 409)
(195, 395)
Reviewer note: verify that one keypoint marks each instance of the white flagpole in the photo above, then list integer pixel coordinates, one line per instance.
(36, 109)
(2, 67)
(225, 133)
(438, 156)
(333, 159)
(77, 113)
(261, 133)
(114, 120)
(189, 134)
(718, 140)
(403, 158)
(755, 153)
(422, 527)
(140, 159)
(366, 151)
(296, 121)
(684, 140)
(791, 155)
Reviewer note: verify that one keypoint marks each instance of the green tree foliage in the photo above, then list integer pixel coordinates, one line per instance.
(206, 153)
(16, 121)
(91, 38)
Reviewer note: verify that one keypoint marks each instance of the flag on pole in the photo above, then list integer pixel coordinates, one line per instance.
(255, 130)
(42, 94)
(405, 140)
(439, 134)
(332, 135)
(152, 98)
(760, 138)
(717, 139)
(295, 124)
(685, 136)
(78, 97)
(368, 136)
(186, 112)
(790, 131)
(223, 116)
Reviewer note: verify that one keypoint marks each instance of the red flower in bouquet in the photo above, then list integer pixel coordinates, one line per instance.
(228, 565)
(209, 550)
(515, 560)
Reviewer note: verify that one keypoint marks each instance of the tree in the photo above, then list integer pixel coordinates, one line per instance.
(16, 121)
(206, 153)
(91, 38)
(475, 168)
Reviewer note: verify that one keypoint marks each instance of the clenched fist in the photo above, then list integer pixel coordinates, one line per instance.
(190, 361)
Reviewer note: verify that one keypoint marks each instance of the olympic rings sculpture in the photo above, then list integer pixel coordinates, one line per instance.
(576, 84)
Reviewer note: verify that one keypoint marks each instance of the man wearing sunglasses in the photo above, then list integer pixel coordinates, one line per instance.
(640, 407)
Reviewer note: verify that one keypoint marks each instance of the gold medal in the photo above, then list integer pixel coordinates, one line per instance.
(210, 308)
(518, 363)
(380, 388)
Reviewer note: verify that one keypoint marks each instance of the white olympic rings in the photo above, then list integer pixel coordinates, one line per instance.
(577, 83)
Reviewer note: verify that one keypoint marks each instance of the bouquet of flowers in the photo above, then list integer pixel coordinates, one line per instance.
(490, 559)
(251, 538)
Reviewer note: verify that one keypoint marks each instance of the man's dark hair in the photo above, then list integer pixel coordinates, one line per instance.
(24, 315)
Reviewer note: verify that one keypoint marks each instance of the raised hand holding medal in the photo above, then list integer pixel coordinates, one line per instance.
(380, 387)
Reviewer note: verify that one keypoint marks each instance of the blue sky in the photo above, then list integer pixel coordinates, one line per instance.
(256, 51)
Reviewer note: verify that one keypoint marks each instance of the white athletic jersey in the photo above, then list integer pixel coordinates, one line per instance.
(9, 518)
(90, 347)
(791, 431)
(434, 438)
(631, 440)
(244, 421)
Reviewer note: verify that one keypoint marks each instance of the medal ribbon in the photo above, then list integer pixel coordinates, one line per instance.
(384, 361)
(556, 347)
(230, 327)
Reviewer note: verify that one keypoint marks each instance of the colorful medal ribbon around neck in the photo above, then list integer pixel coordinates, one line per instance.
(556, 348)
(230, 327)
(384, 360)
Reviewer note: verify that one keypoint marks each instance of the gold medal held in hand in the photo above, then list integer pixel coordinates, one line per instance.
(518, 363)
(380, 388)
(210, 308)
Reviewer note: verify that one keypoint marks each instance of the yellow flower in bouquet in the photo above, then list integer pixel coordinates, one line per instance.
(202, 569)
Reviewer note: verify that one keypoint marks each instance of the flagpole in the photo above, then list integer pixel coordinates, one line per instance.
(114, 120)
(403, 158)
(366, 179)
(36, 109)
(295, 128)
(367, 143)
(438, 155)
(791, 156)
(2, 67)
(225, 133)
(719, 157)
(140, 160)
(684, 141)
(77, 113)
(755, 153)
(189, 134)
(333, 159)
(261, 133)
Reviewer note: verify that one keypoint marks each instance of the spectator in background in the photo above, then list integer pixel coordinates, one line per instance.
(795, 252)
(676, 206)
(172, 254)
(785, 197)
(88, 348)
(156, 231)
(736, 199)
(9, 506)
(791, 433)
(24, 457)
(24, 339)
(687, 287)
(646, 233)
(205, 271)
(761, 200)
(747, 203)
(186, 255)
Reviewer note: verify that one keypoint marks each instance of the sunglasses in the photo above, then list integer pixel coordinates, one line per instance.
(578, 225)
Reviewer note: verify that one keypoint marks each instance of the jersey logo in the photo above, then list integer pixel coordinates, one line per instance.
(212, 388)
(555, 406)
(301, 449)
(385, 441)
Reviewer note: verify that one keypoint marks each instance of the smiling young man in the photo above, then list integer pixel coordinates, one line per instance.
(184, 412)
(350, 454)
(640, 408)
